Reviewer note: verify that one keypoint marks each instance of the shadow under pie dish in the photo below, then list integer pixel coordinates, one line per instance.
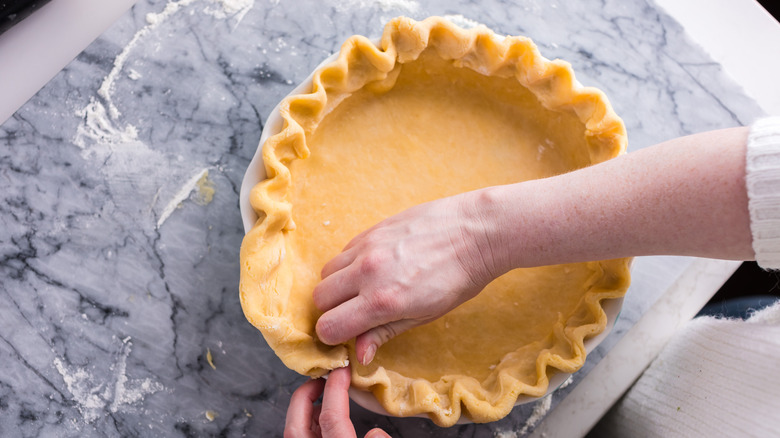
(430, 111)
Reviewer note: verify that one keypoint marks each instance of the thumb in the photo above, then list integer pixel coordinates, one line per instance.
(367, 344)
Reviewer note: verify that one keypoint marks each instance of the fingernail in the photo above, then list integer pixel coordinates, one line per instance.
(368, 356)
(376, 433)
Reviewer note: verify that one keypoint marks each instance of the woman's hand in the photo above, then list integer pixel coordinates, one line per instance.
(405, 271)
(331, 419)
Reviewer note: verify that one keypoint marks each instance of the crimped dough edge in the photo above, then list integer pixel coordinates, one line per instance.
(265, 279)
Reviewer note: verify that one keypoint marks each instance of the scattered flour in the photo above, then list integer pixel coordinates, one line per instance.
(93, 399)
(114, 144)
(128, 392)
(233, 9)
(89, 400)
(462, 21)
(405, 6)
(98, 118)
(171, 8)
(133, 75)
(183, 193)
(95, 126)
(540, 410)
(234, 6)
(153, 20)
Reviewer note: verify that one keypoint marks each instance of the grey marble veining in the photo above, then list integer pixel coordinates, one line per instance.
(119, 270)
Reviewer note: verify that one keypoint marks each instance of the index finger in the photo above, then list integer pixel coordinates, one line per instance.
(336, 387)
(344, 322)
(334, 417)
(299, 413)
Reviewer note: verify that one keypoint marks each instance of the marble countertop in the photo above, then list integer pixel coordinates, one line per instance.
(120, 223)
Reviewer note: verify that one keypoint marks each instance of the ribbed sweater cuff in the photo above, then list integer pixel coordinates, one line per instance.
(762, 178)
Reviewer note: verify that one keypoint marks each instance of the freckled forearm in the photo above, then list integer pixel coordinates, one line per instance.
(683, 197)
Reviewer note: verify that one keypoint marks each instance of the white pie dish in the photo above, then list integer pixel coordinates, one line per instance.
(256, 173)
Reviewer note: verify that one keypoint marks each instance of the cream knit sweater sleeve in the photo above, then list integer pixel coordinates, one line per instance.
(763, 187)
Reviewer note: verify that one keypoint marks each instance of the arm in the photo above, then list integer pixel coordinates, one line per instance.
(683, 197)
(686, 196)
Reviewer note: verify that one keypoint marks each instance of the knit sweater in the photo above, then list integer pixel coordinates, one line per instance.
(719, 377)
(762, 179)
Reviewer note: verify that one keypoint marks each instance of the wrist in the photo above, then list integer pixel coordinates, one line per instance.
(485, 218)
(529, 224)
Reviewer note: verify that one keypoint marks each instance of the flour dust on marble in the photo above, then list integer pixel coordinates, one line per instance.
(408, 6)
(99, 118)
(540, 410)
(98, 122)
(153, 20)
(464, 22)
(97, 127)
(234, 10)
(105, 138)
(198, 183)
(94, 399)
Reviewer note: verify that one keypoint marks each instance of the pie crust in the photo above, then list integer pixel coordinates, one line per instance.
(434, 110)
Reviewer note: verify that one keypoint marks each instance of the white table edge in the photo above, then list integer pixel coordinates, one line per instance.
(37, 48)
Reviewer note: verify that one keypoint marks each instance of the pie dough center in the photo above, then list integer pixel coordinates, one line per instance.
(432, 111)
(439, 131)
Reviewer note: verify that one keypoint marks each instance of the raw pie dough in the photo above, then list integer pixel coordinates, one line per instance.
(435, 111)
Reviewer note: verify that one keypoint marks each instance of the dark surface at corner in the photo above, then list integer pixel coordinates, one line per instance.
(772, 6)
(749, 280)
(14, 11)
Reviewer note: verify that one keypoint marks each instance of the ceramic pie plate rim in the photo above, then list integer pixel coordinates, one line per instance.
(256, 172)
